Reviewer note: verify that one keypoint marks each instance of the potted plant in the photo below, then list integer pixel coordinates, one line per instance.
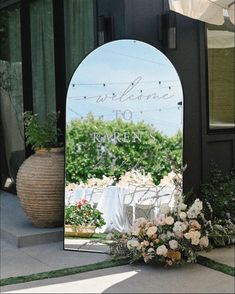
(40, 179)
(82, 219)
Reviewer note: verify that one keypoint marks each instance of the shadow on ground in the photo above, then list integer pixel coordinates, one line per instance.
(140, 278)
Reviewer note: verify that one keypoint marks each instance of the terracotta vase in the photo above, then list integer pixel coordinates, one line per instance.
(79, 231)
(40, 187)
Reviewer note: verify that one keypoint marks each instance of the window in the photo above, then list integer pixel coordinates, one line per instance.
(12, 151)
(220, 43)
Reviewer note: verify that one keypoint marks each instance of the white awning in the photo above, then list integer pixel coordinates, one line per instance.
(220, 39)
(209, 11)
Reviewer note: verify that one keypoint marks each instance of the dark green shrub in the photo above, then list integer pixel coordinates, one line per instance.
(218, 196)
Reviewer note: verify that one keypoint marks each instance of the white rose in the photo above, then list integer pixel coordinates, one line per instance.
(165, 208)
(162, 250)
(169, 220)
(147, 258)
(182, 215)
(204, 241)
(151, 231)
(194, 236)
(133, 244)
(173, 244)
(140, 221)
(136, 231)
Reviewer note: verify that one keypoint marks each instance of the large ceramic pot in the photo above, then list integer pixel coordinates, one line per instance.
(79, 231)
(40, 187)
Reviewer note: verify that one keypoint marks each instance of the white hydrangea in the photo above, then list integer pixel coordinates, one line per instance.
(165, 208)
(178, 203)
(183, 206)
(182, 215)
(179, 227)
(195, 209)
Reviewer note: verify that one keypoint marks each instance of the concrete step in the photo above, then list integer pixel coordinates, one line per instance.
(16, 229)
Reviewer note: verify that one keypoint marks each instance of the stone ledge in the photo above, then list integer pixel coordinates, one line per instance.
(16, 229)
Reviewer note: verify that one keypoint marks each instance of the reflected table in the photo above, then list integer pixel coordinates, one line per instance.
(122, 205)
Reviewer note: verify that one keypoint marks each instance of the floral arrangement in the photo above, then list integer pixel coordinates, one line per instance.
(92, 183)
(71, 187)
(172, 238)
(136, 177)
(100, 183)
(83, 214)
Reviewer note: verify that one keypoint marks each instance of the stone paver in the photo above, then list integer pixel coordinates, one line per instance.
(222, 255)
(190, 278)
(17, 229)
(46, 257)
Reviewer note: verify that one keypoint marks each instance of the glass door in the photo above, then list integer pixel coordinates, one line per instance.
(11, 97)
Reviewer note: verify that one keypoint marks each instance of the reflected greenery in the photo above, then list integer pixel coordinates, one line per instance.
(113, 147)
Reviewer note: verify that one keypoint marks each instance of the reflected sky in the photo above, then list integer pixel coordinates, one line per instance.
(130, 80)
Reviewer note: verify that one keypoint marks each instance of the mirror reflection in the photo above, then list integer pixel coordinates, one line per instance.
(124, 124)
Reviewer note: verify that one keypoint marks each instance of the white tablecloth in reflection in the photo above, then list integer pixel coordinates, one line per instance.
(111, 204)
(92, 195)
(121, 205)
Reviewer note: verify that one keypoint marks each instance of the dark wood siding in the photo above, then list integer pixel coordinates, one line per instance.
(137, 19)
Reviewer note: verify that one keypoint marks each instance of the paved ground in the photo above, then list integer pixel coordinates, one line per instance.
(222, 255)
(42, 258)
(16, 228)
(123, 279)
(191, 278)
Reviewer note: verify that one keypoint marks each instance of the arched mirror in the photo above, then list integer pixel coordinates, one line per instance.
(124, 129)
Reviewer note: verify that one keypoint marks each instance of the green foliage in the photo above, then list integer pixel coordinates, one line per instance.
(229, 270)
(82, 215)
(218, 196)
(101, 156)
(221, 233)
(41, 134)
